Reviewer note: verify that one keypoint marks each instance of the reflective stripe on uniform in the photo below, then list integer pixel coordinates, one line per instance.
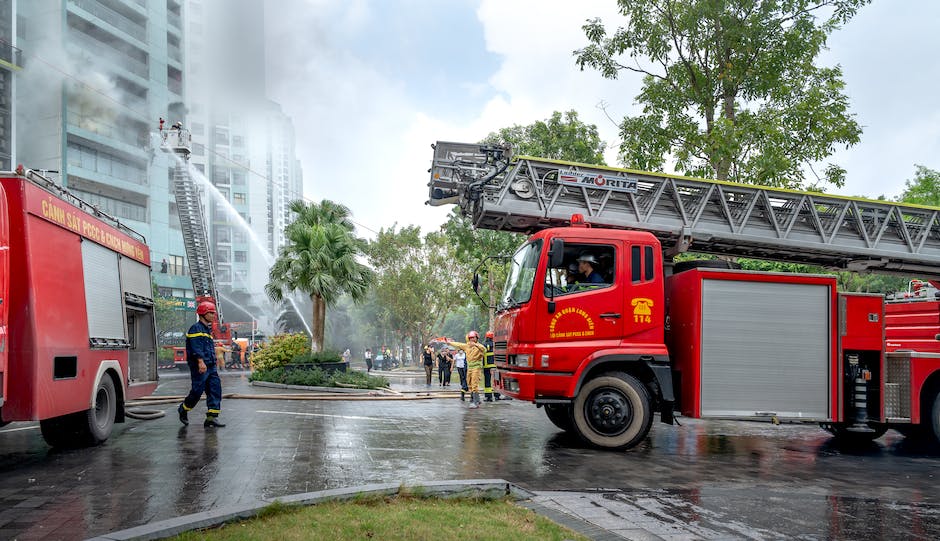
(199, 334)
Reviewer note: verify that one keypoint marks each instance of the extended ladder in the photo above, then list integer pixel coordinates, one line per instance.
(192, 221)
(524, 194)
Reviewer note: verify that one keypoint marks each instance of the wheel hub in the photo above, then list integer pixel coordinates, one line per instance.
(609, 412)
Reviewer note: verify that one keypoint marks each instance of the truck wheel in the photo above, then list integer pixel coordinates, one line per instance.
(560, 416)
(932, 425)
(613, 411)
(99, 420)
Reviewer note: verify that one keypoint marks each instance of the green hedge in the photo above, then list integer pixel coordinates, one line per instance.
(320, 378)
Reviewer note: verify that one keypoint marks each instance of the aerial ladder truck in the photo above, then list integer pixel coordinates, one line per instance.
(647, 335)
(178, 142)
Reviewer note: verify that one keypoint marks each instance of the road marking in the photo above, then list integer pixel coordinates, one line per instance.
(354, 417)
(18, 429)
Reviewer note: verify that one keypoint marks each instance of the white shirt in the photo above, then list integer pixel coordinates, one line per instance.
(460, 359)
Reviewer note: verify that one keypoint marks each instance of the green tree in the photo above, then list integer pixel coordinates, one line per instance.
(320, 259)
(418, 281)
(562, 136)
(730, 88)
(923, 189)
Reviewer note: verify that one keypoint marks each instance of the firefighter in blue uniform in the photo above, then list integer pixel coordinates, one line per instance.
(200, 356)
(489, 364)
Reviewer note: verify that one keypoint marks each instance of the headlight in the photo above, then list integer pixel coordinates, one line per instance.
(524, 360)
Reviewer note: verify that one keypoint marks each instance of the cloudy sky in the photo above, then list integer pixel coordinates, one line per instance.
(371, 84)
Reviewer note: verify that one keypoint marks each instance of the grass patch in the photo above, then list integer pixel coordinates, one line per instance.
(316, 377)
(394, 518)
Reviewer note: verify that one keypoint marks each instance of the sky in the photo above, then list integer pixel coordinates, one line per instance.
(370, 85)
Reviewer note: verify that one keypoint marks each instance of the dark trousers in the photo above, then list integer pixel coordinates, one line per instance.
(463, 378)
(368, 365)
(209, 383)
(443, 374)
(428, 368)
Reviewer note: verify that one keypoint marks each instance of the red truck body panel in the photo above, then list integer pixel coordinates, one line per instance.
(47, 304)
(912, 326)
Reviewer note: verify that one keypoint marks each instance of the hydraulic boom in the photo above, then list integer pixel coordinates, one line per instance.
(525, 194)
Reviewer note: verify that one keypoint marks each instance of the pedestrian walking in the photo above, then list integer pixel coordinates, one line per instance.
(203, 372)
(368, 356)
(475, 352)
(444, 363)
(428, 357)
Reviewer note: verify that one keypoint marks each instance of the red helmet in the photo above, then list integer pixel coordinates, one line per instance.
(205, 307)
(489, 334)
(473, 334)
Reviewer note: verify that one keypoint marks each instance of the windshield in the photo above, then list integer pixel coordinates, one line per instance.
(521, 275)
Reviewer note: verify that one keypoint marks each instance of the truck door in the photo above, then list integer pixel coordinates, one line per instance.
(4, 292)
(588, 297)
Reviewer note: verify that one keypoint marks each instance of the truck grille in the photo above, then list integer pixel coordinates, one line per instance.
(499, 351)
(898, 389)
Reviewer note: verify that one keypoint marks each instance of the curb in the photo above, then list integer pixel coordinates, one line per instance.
(337, 390)
(470, 488)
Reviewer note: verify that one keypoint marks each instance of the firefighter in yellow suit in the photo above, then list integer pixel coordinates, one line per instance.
(475, 353)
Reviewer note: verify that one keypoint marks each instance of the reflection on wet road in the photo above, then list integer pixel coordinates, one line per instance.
(706, 479)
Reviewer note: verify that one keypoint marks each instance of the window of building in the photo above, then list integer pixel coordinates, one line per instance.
(238, 178)
(198, 128)
(239, 236)
(238, 141)
(199, 149)
(177, 265)
(241, 256)
(114, 207)
(239, 198)
(222, 255)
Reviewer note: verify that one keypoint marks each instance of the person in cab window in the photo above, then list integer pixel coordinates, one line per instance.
(587, 269)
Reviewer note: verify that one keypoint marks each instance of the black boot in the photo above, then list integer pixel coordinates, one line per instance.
(463, 396)
(212, 422)
(184, 415)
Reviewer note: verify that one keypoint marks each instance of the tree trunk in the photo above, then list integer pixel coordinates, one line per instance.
(318, 323)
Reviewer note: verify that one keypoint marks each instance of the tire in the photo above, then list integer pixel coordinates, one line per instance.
(100, 418)
(560, 416)
(932, 424)
(683, 266)
(613, 411)
(85, 428)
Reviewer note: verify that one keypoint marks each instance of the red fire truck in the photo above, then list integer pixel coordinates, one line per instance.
(599, 327)
(77, 335)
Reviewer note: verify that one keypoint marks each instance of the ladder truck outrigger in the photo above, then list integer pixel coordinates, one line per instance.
(655, 336)
(178, 142)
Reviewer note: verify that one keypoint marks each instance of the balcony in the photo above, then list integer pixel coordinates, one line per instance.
(109, 55)
(131, 27)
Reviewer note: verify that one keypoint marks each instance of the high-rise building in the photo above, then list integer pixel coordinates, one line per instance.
(97, 75)
(10, 63)
(242, 143)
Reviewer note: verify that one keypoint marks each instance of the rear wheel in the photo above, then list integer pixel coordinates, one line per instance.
(560, 416)
(90, 427)
(613, 411)
(931, 423)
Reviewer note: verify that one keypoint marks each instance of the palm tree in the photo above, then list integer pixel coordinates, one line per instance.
(320, 260)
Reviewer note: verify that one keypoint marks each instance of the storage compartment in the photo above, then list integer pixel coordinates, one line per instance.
(752, 345)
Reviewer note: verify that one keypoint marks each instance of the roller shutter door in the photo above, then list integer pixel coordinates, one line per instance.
(765, 349)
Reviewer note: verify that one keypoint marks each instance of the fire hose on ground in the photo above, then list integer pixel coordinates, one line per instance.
(137, 409)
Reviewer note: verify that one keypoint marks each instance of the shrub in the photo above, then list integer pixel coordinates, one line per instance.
(314, 377)
(280, 350)
(312, 357)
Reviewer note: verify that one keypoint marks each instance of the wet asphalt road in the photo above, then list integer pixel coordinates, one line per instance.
(718, 480)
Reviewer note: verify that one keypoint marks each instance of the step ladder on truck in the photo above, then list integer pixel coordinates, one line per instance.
(652, 336)
(77, 329)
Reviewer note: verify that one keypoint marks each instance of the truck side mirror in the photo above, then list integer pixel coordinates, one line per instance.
(556, 253)
(476, 283)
